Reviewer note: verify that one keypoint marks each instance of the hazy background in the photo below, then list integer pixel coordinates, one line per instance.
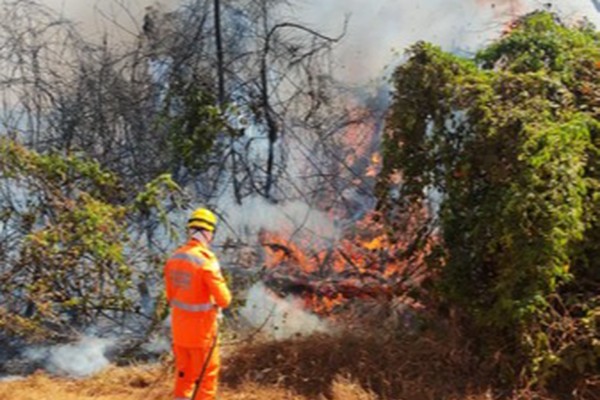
(378, 30)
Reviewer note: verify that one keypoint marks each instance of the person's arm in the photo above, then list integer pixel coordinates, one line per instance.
(216, 284)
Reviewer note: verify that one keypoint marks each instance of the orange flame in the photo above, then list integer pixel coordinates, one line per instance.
(368, 263)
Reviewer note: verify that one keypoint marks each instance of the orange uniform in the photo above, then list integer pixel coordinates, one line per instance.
(195, 291)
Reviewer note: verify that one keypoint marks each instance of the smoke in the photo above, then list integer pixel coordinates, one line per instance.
(257, 213)
(158, 344)
(279, 318)
(79, 359)
(11, 378)
(380, 30)
(120, 18)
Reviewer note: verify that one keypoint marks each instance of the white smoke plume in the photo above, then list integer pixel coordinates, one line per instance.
(279, 318)
(119, 18)
(79, 359)
(11, 378)
(158, 344)
(380, 30)
(256, 213)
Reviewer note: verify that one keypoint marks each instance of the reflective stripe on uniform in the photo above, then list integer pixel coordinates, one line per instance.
(188, 257)
(201, 307)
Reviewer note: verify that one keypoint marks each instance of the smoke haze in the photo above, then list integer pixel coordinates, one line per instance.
(256, 213)
(279, 318)
(378, 30)
(78, 359)
(120, 18)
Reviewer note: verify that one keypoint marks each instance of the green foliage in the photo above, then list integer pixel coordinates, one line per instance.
(68, 257)
(507, 145)
(194, 127)
(540, 42)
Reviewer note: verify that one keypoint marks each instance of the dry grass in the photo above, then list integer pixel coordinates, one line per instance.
(346, 388)
(348, 367)
(150, 383)
(372, 367)
(127, 383)
(114, 383)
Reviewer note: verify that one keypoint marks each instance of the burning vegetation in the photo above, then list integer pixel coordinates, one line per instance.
(368, 265)
(373, 260)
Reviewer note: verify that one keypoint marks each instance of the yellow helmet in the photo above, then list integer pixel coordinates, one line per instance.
(202, 218)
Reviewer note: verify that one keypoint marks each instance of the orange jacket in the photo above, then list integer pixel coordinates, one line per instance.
(195, 288)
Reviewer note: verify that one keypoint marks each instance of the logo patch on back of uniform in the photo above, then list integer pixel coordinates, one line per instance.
(180, 279)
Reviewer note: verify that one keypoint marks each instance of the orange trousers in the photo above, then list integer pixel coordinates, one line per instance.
(188, 365)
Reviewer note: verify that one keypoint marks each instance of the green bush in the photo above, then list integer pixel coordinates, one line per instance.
(67, 254)
(507, 145)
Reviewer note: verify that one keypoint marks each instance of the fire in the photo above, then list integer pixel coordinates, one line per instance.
(374, 166)
(360, 141)
(373, 260)
(504, 8)
(374, 244)
(359, 132)
(367, 264)
(281, 252)
(513, 7)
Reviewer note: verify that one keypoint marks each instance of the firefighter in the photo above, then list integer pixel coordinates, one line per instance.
(195, 292)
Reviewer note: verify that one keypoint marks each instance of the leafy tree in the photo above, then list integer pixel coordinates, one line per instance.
(69, 254)
(507, 145)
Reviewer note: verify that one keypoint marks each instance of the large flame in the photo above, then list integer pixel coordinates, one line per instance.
(374, 258)
(370, 262)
